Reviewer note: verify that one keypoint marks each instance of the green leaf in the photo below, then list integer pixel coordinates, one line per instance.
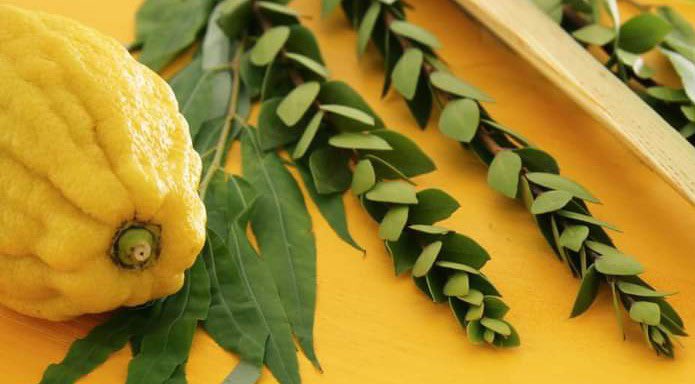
(339, 93)
(594, 34)
(277, 8)
(429, 229)
(406, 73)
(457, 284)
(363, 178)
(643, 32)
(330, 170)
(503, 174)
(308, 135)
(282, 227)
(686, 71)
(640, 290)
(331, 207)
(536, 160)
(603, 249)
(687, 131)
(297, 103)
(475, 313)
(350, 113)
(308, 63)
(475, 331)
(550, 201)
(416, 33)
(474, 297)
(88, 353)
(165, 29)
(496, 325)
(435, 280)
(393, 223)
(460, 120)
(586, 219)
(433, 205)
(557, 182)
(235, 16)
(168, 345)
(458, 248)
(618, 265)
(216, 47)
(668, 94)
(494, 307)
(269, 45)
(364, 33)
(516, 135)
(587, 291)
(404, 253)
(354, 140)
(510, 341)
(645, 312)
(233, 320)
(426, 260)
(273, 133)
(202, 95)
(407, 157)
(573, 237)
(682, 36)
(689, 112)
(397, 192)
(637, 64)
(452, 84)
(458, 267)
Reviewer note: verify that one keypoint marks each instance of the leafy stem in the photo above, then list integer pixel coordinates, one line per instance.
(221, 146)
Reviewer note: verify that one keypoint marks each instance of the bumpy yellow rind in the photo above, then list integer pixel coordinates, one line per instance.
(89, 139)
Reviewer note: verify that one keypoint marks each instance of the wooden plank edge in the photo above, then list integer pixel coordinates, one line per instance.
(555, 54)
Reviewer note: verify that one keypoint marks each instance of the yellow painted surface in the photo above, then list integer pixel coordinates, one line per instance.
(374, 328)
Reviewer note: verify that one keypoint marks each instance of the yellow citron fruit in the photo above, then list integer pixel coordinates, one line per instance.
(98, 178)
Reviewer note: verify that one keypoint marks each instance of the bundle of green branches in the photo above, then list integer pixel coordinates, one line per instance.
(246, 51)
(516, 168)
(654, 30)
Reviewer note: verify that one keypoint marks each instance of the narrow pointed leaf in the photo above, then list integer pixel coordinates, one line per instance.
(282, 226)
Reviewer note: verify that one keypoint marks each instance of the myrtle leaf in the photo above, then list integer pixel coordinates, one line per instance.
(460, 120)
(297, 103)
(406, 73)
(503, 175)
(415, 33)
(587, 292)
(269, 45)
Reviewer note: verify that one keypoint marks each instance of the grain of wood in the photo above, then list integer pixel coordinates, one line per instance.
(554, 53)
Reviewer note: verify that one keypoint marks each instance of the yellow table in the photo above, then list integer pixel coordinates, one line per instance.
(374, 328)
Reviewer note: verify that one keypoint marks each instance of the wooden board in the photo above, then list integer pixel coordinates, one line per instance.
(537, 38)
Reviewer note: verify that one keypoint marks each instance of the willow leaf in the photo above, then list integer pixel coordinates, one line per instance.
(280, 353)
(166, 28)
(331, 207)
(202, 95)
(282, 227)
(168, 345)
(91, 351)
(234, 321)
